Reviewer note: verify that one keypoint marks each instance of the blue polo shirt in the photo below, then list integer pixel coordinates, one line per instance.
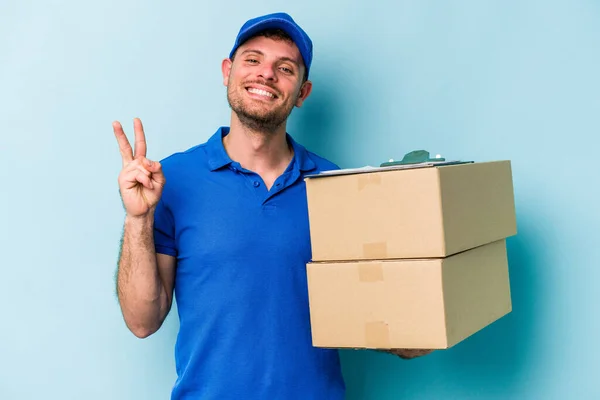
(240, 284)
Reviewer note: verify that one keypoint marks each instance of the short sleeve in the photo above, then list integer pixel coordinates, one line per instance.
(164, 230)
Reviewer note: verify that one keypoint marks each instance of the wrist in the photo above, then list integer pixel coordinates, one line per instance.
(140, 220)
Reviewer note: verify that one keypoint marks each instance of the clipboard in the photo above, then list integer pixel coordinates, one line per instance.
(412, 160)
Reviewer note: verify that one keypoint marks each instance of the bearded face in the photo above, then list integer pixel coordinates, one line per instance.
(264, 82)
(259, 105)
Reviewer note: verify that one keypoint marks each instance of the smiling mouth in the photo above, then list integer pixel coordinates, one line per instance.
(261, 92)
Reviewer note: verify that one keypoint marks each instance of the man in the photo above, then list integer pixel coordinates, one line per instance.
(225, 226)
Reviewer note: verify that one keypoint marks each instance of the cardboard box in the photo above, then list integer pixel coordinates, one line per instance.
(410, 213)
(420, 303)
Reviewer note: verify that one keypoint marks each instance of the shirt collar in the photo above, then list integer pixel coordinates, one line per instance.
(302, 159)
(218, 157)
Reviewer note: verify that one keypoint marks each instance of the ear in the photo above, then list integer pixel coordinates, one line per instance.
(226, 70)
(304, 92)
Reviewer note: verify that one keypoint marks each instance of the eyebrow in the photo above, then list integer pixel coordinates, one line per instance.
(280, 58)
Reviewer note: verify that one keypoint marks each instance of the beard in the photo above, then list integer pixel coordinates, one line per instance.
(257, 117)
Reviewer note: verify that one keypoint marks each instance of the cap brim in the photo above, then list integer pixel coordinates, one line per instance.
(275, 23)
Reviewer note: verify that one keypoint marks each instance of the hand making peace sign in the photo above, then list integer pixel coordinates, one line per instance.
(141, 180)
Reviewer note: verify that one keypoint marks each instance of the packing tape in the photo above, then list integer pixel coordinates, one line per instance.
(370, 272)
(377, 335)
(375, 250)
(368, 179)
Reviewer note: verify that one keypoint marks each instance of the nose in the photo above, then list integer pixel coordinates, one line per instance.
(267, 71)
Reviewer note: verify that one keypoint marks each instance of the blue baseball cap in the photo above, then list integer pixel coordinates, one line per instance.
(277, 21)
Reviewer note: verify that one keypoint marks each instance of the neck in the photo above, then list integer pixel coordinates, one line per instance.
(264, 151)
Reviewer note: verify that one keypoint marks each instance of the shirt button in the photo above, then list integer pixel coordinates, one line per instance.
(256, 183)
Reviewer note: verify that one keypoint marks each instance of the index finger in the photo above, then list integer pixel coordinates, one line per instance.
(124, 146)
(140, 138)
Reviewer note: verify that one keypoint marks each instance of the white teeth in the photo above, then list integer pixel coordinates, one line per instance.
(260, 92)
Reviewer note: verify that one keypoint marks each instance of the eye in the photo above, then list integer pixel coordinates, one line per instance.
(287, 70)
(251, 60)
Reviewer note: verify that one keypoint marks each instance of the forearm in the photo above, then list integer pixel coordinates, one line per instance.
(142, 295)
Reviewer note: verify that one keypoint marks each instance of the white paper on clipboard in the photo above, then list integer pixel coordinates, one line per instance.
(365, 169)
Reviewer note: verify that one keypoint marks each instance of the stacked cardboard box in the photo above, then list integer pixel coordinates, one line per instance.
(411, 257)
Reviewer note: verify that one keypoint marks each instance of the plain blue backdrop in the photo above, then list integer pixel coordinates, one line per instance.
(490, 80)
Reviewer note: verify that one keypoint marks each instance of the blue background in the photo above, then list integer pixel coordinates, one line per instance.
(488, 80)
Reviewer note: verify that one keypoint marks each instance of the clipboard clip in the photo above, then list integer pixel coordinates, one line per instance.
(414, 157)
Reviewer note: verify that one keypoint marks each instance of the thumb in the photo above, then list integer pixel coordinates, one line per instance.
(150, 165)
(156, 169)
